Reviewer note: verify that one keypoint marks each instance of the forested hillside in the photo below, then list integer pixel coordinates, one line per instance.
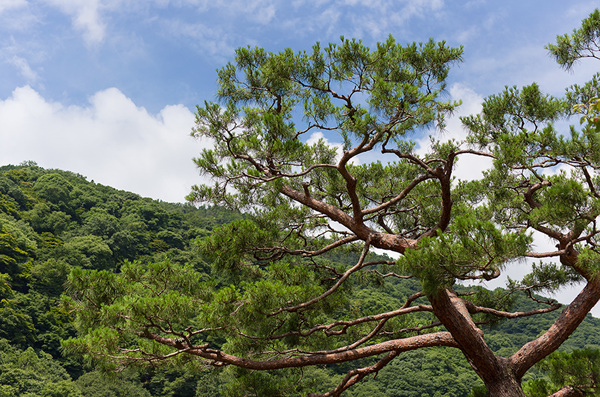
(53, 221)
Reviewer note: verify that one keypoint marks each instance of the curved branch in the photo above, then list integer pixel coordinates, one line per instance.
(409, 157)
(221, 358)
(345, 324)
(309, 254)
(546, 254)
(331, 290)
(530, 192)
(386, 241)
(339, 243)
(499, 313)
(357, 375)
(590, 183)
(569, 391)
(563, 327)
(399, 197)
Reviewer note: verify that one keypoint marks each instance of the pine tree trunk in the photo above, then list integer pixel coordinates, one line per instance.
(505, 387)
(496, 372)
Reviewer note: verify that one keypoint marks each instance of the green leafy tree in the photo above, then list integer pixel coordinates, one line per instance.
(283, 300)
(54, 188)
(88, 251)
(584, 42)
(27, 373)
(97, 384)
(567, 374)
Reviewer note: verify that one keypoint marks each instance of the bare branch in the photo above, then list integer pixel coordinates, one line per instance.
(479, 309)
(398, 197)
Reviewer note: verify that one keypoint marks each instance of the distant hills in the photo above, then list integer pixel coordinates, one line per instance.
(52, 221)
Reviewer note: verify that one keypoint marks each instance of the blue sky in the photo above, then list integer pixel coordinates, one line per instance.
(107, 88)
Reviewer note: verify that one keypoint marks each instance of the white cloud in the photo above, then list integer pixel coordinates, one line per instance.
(469, 167)
(260, 11)
(24, 69)
(365, 19)
(112, 141)
(16, 16)
(11, 4)
(213, 41)
(386, 16)
(85, 16)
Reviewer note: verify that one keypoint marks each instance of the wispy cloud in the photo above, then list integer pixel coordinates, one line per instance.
(85, 16)
(255, 11)
(24, 69)
(364, 19)
(213, 41)
(16, 16)
(11, 4)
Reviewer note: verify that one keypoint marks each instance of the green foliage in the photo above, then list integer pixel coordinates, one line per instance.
(97, 384)
(229, 247)
(15, 325)
(54, 188)
(174, 294)
(36, 319)
(548, 277)
(16, 245)
(472, 247)
(583, 42)
(512, 122)
(87, 251)
(27, 373)
(279, 271)
(47, 230)
(263, 91)
(427, 372)
(579, 369)
(591, 113)
(49, 277)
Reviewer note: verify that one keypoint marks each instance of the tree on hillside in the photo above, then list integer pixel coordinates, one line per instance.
(285, 298)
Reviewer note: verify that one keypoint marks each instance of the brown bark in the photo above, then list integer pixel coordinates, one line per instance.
(507, 386)
(568, 391)
(496, 372)
(563, 327)
(502, 376)
(397, 345)
(384, 241)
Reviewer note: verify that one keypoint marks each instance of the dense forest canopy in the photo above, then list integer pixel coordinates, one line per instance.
(54, 221)
(290, 276)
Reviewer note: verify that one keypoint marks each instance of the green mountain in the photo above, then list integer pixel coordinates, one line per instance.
(52, 221)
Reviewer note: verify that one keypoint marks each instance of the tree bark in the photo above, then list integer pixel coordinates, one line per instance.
(568, 321)
(217, 356)
(568, 391)
(496, 372)
(507, 386)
